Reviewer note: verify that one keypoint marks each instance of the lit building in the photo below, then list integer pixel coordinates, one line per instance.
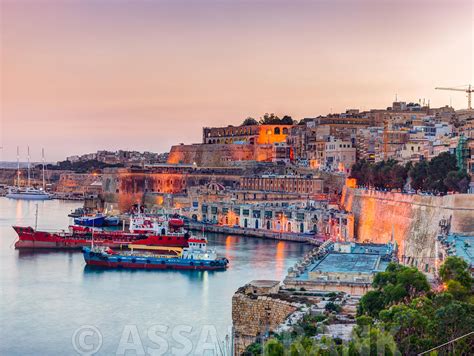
(288, 184)
(252, 134)
(339, 155)
(299, 217)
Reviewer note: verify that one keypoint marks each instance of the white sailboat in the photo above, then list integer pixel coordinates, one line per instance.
(28, 192)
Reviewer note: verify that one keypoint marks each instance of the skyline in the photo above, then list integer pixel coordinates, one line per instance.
(82, 76)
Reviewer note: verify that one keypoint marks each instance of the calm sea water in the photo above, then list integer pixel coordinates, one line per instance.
(51, 304)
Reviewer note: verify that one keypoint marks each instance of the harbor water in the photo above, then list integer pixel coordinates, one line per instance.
(51, 304)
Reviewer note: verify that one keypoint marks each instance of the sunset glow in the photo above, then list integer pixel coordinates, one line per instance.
(146, 74)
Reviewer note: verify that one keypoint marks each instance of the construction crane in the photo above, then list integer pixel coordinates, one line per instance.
(469, 91)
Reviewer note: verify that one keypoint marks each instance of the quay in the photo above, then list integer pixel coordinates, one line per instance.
(274, 235)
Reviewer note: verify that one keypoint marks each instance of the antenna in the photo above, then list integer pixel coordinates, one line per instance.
(28, 166)
(18, 166)
(396, 97)
(42, 153)
(36, 218)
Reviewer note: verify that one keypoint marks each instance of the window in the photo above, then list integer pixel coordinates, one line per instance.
(214, 210)
(204, 208)
(268, 214)
(246, 212)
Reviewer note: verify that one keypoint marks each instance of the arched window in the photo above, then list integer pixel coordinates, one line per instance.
(285, 131)
(277, 131)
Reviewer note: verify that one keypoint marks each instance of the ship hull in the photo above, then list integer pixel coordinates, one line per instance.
(28, 238)
(117, 261)
(91, 222)
(26, 196)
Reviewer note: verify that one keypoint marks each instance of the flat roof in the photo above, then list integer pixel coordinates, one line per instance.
(350, 262)
(463, 247)
(380, 249)
(264, 283)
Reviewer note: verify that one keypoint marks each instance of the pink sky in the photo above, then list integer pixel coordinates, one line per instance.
(78, 76)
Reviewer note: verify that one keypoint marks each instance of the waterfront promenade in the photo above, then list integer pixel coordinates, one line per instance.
(267, 234)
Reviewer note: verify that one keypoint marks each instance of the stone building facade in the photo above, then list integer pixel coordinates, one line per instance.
(297, 216)
(258, 309)
(253, 134)
(289, 184)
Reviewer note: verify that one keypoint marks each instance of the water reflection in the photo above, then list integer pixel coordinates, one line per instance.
(67, 294)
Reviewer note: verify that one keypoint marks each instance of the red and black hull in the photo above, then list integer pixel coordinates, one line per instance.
(28, 238)
(130, 265)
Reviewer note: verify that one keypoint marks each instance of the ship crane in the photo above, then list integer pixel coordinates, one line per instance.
(469, 91)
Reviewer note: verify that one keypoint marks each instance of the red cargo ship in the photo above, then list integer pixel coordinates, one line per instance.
(143, 231)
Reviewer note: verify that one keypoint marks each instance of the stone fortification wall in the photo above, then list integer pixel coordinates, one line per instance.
(211, 155)
(253, 316)
(414, 220)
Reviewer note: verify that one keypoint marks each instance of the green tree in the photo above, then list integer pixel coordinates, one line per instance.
(438, 169)
(410, 326)
(250, 121)
(274, 347)
(457, 290)
(457, 181)
(398, 283)
(371, 303)
(455, 268)
(372, 341)
(418, 174)
(287, 120)
(254, 349)
(269, 119)
(332, 307)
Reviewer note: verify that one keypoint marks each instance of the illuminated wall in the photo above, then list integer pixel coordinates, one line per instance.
(269, 134)
(412, 220)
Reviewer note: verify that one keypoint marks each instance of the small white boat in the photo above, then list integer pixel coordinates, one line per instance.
(28, 194)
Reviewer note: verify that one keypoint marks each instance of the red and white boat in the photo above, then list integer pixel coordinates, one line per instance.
(143, 231)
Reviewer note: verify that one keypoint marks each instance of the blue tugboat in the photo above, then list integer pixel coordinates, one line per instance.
(93, 221)
(194, 257)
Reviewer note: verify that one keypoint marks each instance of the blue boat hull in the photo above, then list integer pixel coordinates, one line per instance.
(101, 259)
(112, 221)
(96, 221)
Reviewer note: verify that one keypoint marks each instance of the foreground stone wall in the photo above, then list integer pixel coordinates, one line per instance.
(414, 220)
(255, 315)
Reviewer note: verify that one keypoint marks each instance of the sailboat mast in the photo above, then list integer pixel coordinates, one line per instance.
(18, 166)
(28, 166)
(42, 153)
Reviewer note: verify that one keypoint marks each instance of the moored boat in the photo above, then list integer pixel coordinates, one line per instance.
(28, 193)
(77, 213)
(94, 220)
(112, 220)
(194, 257)
(79, 236)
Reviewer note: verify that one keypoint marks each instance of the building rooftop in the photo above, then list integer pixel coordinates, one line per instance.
(351, 263)
(355, 258)
(462, 246)
(263, 283)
